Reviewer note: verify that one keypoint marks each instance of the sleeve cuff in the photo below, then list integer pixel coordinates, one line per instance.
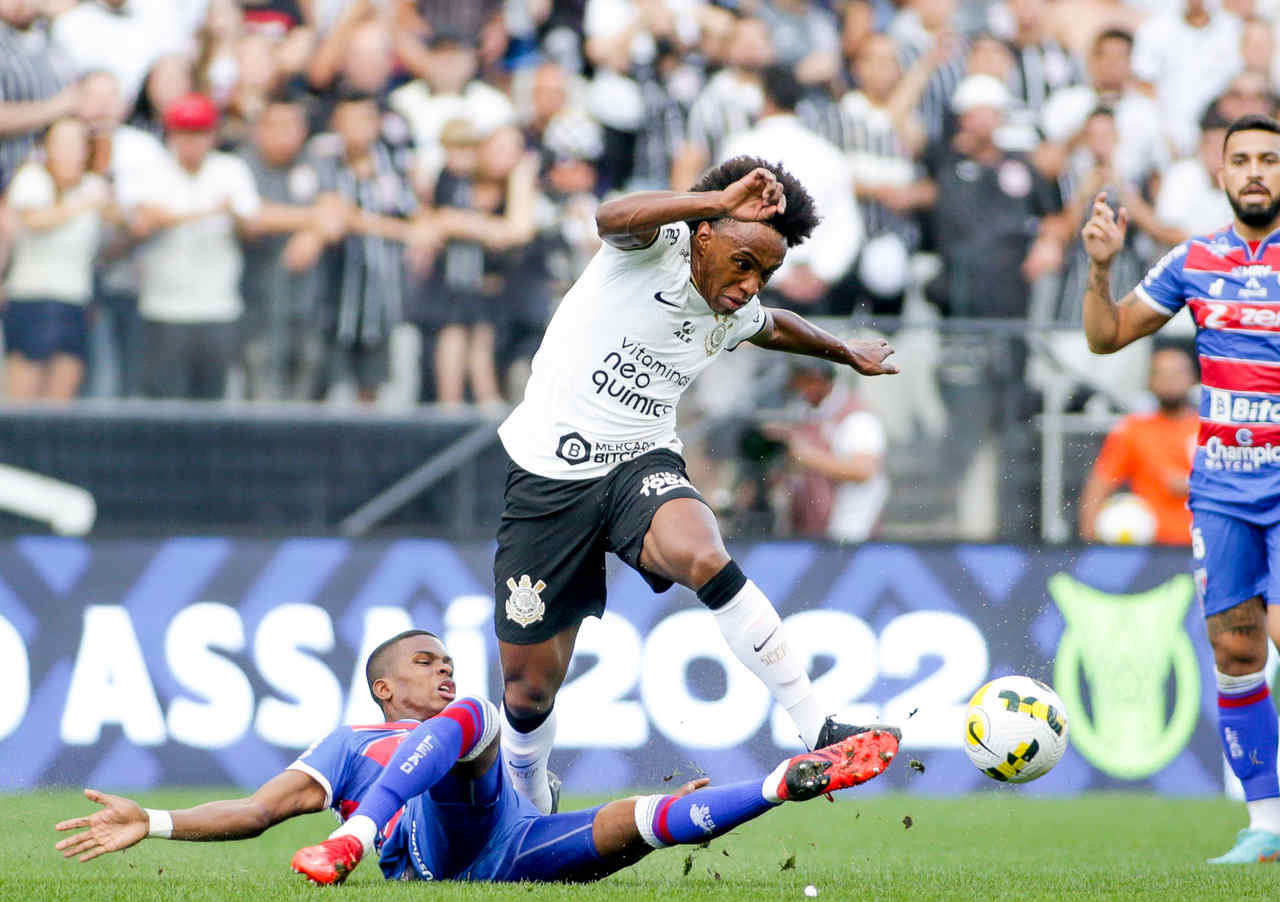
(314, 774)
(1142, 295)
(764, 321)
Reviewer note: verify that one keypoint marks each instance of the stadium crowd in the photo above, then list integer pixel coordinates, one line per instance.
(286, 199)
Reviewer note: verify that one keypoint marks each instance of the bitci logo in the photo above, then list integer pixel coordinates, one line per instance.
(573, 449)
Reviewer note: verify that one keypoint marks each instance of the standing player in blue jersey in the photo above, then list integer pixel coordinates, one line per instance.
(429, 792)
(1231, 281)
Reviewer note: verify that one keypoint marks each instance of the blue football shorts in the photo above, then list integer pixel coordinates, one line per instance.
(1234, 560)
(554, 847)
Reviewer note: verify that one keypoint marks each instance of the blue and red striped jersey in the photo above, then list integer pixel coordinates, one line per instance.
(348, 761)
(1232, 288)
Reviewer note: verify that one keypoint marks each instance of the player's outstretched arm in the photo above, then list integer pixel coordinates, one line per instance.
(632, 221)
(791, 332)
(122, 822)
(1107, 325)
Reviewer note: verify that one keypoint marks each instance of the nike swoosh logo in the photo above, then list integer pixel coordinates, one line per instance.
(657, 296)
(765, 642)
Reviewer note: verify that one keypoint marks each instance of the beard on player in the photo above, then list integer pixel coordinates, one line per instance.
(1254, 205)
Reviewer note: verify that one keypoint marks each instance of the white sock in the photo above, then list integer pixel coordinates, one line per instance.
(526, 755)
(769, 788)
(1264, 814)
(362, 828)
(754, 631)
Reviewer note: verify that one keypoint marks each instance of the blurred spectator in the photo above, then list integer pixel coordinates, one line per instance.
(32, 93)
(988, 55)
(357, 52)
(126, 157)
(188, 210)
(548, 99)
(1246, 93)
(448, 90)
(1042, 65)
(1258, 48)
(667, 88)
(727, 105)
(1078, 23)
(1190, 201)
(484, 201)
(835, 484)
(59, 206)
(419, 21)
(283, 342)
(218, 64)
(275, 18)
(511, 298)
(805, 38)
(1092, 169)
(111, 35)
(568, 143)
(170, 78)
(365, 272)
(571, 145)
(1140, 145)
(993, 221)
(625, 40)
(883, 138)
(1152, 453)
(810, 271)
(1185, 57)
(286, 26)
(921, 26)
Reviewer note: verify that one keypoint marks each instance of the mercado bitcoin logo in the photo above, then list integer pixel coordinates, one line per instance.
(1125, 647)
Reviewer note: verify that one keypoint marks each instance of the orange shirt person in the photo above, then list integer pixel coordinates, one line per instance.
(1152, 453)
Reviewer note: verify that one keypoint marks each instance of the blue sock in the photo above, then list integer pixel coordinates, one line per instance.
(417, 765)
(701, 815)
(1250, 731)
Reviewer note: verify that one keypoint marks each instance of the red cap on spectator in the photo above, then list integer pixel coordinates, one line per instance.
(191, 113)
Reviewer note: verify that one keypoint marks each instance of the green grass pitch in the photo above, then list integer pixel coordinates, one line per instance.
(996, 845)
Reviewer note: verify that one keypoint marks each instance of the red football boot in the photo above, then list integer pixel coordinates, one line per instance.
(851, 761)
(329, 862)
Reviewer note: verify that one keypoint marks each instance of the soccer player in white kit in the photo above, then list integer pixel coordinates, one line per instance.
(595, 460)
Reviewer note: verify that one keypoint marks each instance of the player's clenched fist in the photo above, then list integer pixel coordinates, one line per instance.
(1103, 234)
(755, 197)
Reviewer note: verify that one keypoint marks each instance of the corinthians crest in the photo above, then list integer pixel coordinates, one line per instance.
(715, 338)
(1124, 649)
(524, 604)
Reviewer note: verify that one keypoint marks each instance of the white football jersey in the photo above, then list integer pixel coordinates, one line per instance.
(627, 340)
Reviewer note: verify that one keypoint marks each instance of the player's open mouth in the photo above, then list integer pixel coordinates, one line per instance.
(447, 689)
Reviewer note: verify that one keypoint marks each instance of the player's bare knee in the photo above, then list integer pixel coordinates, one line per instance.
(704, 564)
(525, 697)
(1238, 655)
(1238, 636)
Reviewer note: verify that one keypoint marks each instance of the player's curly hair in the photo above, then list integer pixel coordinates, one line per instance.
(795, 224)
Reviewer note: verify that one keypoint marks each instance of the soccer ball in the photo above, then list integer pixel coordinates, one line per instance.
(1125, 519)
(1015, 730)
